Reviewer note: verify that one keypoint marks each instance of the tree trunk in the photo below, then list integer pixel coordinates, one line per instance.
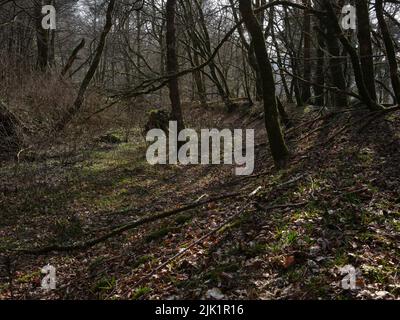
(42, 37)
(365, 47)
(355, 61)
(390, 50)
(213, 68)
(306, 90)
(320, 72)
(336, 62)
(74, 109)
(282, 75)
(72, 57)
(201, 90)
(172, 65)
(250, 52)
(283, 114)
(278, 147)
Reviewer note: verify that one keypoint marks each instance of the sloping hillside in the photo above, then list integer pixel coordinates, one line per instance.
(336, 204)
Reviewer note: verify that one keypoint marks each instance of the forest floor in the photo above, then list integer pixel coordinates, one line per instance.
(337, 204)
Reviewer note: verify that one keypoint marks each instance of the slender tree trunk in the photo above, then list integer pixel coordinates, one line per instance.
(278, 147)
(355, 61)
(75, 108)
(283, 114)
(201, 90)
(306, 89)
(224, 93)
(336, 62)
(250, 52)
(293, 60)
(390, 49)
(73, 57)
(193, 54)
(172, 65)
(42, 37)
(365, 47)
(282, 75)
(320, 72)
(295, 82)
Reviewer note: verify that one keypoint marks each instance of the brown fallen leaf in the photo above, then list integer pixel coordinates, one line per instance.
(360, 283)
(211, 206)
(289, 261)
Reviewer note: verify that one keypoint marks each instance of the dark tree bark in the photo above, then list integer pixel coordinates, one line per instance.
(72, 57)
(390, 49)
(295, 81)
(250, 53)
(293, 55)
(306, 89)
(355, 61)
(193, 53)
(254, 65)
(336, 62)
(320, 72)
(75, 108)
(283, 114)
(42, 37)
(172, 65)
(201, 89)
(278, 147)
(365, 47)
(282, 75)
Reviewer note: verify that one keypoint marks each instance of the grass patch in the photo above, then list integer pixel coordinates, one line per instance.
(142, 260)
(140, 292)
(105, 284)
(29, 277)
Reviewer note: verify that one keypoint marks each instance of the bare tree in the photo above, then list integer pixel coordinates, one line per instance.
(172, 65)
(92, 70)
(278, 147)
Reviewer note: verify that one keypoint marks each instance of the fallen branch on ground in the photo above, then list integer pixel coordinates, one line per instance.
(120, 230)
(280, 206)
(193, 244)
(213, 231)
